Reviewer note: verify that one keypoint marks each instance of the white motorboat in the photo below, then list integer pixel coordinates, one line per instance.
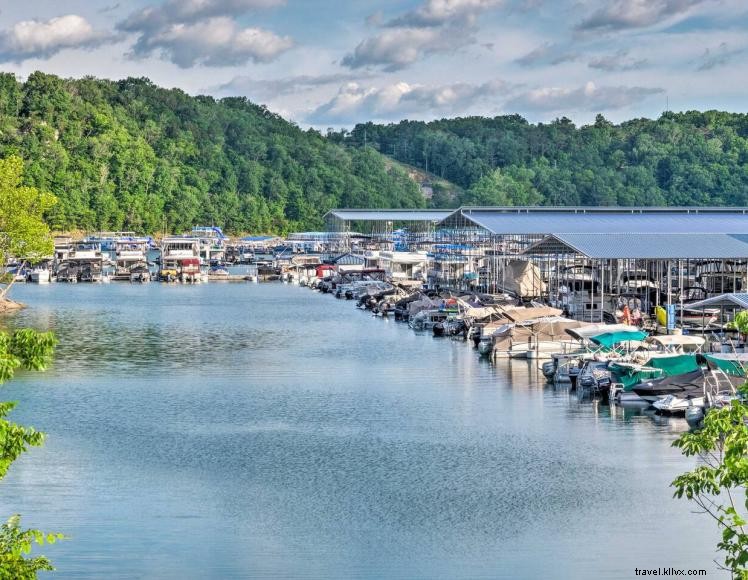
(674, 404)
(40, 275)
(717, 390)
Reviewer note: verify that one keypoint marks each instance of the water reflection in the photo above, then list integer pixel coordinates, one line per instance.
(298, 437)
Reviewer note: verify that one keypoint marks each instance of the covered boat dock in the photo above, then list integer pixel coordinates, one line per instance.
(489, 236)
(589, 274)
(386, 229)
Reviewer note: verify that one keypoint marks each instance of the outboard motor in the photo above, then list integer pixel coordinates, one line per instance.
(694, 416)
(573, 376)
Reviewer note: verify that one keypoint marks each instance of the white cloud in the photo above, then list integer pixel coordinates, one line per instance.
(355, 102)
(436, 26)
(547, 53)
(620, 61)
(626, 14)
(586, 98)
(396, 48)
(44, 38)
(263, 88)
(190, 11)
(190, 32)
(716, 57)
(214, 42)
(440, 12)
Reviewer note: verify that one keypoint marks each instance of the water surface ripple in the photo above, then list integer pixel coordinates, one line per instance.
(266, 431)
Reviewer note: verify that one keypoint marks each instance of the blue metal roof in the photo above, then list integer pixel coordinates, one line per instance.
(723, 300)
(349, 260)
(393, 215)
(257, 238)
(518, 221)
(655, 246)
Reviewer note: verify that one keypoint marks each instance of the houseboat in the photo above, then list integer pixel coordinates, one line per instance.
(180, 260)
(84, 262)
(405, 265)
(62, 245)
(130, 258)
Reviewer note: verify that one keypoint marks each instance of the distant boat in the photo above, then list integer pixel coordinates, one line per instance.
(40, 275)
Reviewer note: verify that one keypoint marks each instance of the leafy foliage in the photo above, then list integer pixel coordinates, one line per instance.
(739, 323)
(24, 231)
(34, 349)
(15, 544)
(692, 158)
(15, 439)
(130, 155)
(31, 350)
(718, 484)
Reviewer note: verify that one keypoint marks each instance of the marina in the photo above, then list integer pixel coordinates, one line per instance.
(424, 290)
(622, 286)
(527, 339)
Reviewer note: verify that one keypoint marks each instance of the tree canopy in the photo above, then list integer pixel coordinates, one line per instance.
(131, 155)
(23, 231)
(32, 350)
(680, 159)
(717, 485)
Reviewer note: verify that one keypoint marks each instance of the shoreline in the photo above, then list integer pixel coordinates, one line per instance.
(8, 306)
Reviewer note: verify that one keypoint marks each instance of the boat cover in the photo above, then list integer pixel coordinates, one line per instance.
(669, 366)
(596, 329)
(531, 313)
(523, 279)
(610, 339)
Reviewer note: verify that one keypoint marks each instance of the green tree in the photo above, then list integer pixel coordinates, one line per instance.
(32, 350)
(23, 232)
(693, 158)
(739, 323)
(491, 189)
(718, 484)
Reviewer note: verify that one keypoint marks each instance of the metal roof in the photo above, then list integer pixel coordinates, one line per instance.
(656, 246)
(518, 221)
(257, 238)
(730, 300)
(391, 215)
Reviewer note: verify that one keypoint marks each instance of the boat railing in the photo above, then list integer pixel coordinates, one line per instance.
(716, 383)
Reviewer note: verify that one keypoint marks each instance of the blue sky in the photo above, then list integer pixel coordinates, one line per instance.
(331, 63)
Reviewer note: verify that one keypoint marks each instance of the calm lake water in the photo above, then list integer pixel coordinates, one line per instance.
(267, 431)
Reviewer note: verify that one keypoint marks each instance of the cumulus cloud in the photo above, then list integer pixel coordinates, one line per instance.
(45, 38)
(355, 102)
(547, 53)
(586, 98)
(440, 12)
(190, 11)
(628, 14)
(434, 26)
(713, 58)
(265, 88)
(191, 32)
(214, 42)
(619, 61)
(396, 48)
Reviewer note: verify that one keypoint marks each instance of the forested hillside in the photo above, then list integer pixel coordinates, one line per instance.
(131, 155)
(684, 159)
